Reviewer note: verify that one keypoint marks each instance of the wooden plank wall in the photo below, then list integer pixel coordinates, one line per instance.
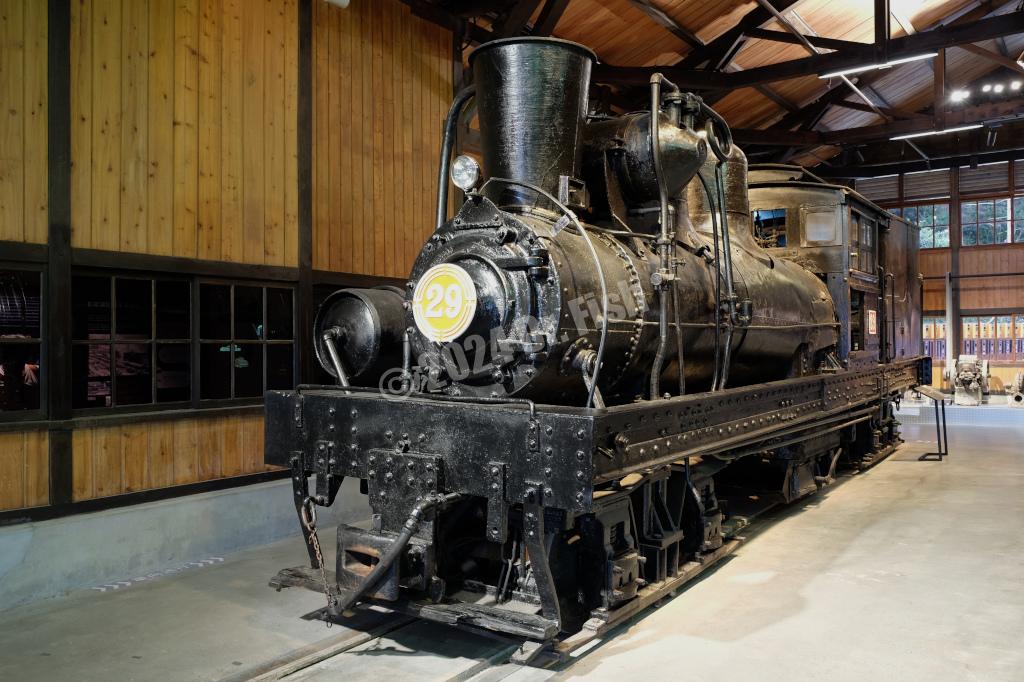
(992, 293)
(934, 263)
(24, 469)
(133, 457)
(381, 88)
(184, 138)
(982, 293)
(23, 121)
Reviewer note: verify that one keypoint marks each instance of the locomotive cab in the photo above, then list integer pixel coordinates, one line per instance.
(865, 255)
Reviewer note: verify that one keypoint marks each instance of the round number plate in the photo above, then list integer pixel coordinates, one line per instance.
(444, 302)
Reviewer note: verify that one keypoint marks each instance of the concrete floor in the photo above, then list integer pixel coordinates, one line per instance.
(911, 571)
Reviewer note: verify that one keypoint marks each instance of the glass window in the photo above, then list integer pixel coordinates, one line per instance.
(130, 341)
(933, 221)
(1018, 219)
(251, 349)
(20, 334)
(992, 221)
(770, 227)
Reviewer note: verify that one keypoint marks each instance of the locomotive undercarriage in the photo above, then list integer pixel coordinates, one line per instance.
(549, 520)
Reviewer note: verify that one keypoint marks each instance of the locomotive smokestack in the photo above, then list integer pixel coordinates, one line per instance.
(531, 98)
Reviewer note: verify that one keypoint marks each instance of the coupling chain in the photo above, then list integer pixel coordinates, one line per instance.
(309, 521)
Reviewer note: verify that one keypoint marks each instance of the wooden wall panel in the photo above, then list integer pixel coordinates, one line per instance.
(934, 263)
(381, 88)
(992, 293)
(24, 469)
(132, 457)
(976, 293)
(23, 121)
(184, 134)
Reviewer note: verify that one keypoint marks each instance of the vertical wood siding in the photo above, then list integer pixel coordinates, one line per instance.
(24, 470)
(184, 127)
(382, 84)
(992, 293)
(976, 293)
(23, 122)
(133, 457)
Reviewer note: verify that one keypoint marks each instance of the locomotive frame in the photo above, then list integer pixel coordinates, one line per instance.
(538, 467)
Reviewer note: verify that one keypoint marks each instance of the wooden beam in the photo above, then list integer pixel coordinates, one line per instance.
(939, 91)
(727, 43)
(903, 20)
(813, 111)
(883, 28)
(993, 57)
(549, 16)
(668, 23)
(795, 138)
(892, 112)
(777, 98)
(514, 23)
(817, 41)
(907, 46)
(991, 112)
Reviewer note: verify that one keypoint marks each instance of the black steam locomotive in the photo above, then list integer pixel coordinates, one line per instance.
(602, 366)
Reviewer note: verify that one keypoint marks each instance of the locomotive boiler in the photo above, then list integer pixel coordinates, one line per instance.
(592, 361)
(642, 307)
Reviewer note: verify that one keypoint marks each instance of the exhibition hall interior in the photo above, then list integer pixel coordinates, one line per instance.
(518, 340)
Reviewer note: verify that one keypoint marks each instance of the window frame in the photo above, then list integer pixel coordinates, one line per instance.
(901, 210)
(195, 281)
(112, 342)
(40, 413)
(198, 401)
(1009, 196)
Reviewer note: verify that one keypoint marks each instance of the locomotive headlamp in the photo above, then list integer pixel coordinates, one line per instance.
(465, 172)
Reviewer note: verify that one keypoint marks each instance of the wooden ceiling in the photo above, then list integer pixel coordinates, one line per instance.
(697, 38)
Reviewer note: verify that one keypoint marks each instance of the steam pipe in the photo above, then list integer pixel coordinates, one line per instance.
(679, 339)
(665, 240)
(394, 551)
(339, 369)
(718, 280)
(730, 293)
(406, 359)
(447, 143)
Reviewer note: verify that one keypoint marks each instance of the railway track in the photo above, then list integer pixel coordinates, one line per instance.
(379, 644)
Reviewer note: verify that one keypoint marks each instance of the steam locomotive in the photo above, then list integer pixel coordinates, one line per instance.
(618, 350)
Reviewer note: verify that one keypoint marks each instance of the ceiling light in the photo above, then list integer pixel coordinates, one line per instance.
(957, 129)
(998, 88)
(987, 87)
(960, 95)
(886, 65)
(1015, 85)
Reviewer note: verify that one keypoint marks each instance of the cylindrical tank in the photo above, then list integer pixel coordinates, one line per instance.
(531, 96)
(368, 325)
